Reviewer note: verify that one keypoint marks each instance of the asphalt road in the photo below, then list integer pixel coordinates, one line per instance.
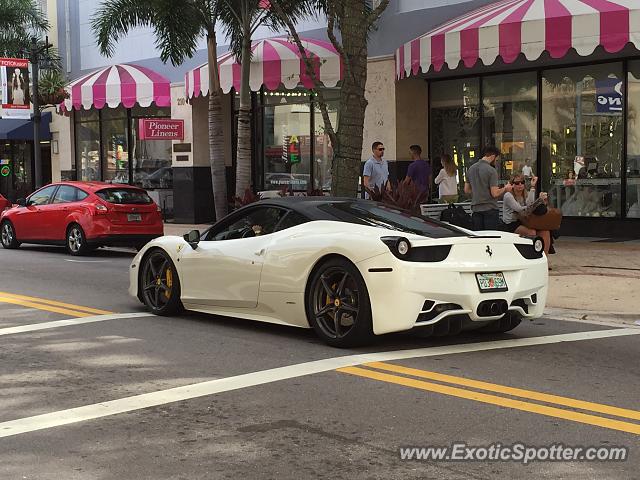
(91, 387)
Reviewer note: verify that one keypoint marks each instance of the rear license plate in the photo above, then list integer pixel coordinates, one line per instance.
(134, 217)
(491, 282)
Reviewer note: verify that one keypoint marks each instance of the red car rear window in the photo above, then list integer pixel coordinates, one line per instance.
(124, 196)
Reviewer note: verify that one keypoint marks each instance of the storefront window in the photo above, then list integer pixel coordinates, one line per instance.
(323, 153)
(287, 140)
(633, 142)
(151, 158)
(16, 181)
(115, 146)
(582, 130)
(87, 136)
(510, 115)
(455, 121)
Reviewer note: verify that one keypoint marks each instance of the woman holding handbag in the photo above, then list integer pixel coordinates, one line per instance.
(518, 203)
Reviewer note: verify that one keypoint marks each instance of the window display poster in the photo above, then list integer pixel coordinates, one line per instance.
(15, 90)
(609, 96)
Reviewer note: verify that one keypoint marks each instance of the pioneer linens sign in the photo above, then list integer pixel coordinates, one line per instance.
(161, 129)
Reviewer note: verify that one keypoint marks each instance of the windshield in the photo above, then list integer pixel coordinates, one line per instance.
(377, 215)
(124, 196)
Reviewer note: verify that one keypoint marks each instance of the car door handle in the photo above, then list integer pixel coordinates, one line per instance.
(259, 253)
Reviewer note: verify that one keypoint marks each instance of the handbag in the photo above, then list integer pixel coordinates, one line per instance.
(455, 215)
(550, 220)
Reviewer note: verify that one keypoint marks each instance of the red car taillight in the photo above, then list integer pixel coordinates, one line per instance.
(100, 209)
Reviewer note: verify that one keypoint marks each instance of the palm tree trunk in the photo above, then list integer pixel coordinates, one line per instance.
(347, 156)
(216, 134)
(243, 158)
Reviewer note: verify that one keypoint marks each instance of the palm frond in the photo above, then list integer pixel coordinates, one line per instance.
(178, 26)
(20, 20)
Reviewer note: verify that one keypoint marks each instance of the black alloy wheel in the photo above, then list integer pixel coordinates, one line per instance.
(76, 240)
(8, 235)
(338, 306)
(159, 284)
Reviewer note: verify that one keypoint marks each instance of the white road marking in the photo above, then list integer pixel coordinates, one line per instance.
(72, 321)
(85, 261)
(153, 399)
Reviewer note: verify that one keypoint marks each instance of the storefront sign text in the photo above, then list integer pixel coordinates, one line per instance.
(15, 94)
(161, 129)
(609, 96)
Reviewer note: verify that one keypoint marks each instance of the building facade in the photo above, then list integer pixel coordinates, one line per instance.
(544, 113)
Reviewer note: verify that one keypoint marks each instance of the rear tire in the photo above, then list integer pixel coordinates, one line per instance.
(505, 324)
(337, 304)
(159, 285)
(8, 235)
(76, 241)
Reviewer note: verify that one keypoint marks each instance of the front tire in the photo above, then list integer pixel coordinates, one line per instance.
(337, 304)
(8, 235)
(159, 285)
(76, 241)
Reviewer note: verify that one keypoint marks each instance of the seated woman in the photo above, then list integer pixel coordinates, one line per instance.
(517, 202)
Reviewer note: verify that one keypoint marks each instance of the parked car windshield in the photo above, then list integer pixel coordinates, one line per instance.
(377, 215)
(124, 196)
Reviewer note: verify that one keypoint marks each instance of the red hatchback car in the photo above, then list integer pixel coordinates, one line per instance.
(4, 203)
(82, 216)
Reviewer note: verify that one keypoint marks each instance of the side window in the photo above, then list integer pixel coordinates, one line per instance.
(291, 219)
(257, 221)
(68, 194)
(42, 196)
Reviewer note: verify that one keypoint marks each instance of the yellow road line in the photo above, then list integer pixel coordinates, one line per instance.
(516, 392)
(39, 306)
(495, 400)
(54, 303)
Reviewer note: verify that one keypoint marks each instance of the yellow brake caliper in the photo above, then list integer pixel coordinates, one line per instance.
(169, 283)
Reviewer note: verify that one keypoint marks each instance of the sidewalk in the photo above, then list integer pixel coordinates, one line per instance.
(591, 278)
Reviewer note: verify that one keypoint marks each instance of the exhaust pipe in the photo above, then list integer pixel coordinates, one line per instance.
(492, 308)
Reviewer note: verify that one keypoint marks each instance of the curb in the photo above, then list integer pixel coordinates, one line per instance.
(589, 316)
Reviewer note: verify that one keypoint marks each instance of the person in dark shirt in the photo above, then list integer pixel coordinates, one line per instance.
(419, 170)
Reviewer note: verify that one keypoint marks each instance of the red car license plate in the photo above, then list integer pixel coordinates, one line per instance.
(134, 217)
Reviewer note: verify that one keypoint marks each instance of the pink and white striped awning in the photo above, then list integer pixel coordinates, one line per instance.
(508, 28)
(122, 84)
(275, 61)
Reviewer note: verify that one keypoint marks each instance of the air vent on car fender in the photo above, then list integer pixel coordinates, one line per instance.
(434, 253)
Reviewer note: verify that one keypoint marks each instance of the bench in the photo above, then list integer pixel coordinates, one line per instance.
(433, 210)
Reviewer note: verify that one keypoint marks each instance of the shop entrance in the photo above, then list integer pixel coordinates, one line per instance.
(16, 169)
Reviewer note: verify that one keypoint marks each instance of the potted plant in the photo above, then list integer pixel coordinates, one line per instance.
(51, 88)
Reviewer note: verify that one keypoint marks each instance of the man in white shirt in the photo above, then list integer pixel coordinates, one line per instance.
(527, 171)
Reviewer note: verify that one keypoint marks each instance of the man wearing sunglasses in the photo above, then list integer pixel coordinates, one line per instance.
(482, 184)
(376, 169)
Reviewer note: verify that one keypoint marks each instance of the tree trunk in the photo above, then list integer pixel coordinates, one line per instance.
(348, 152)
(243, 156)
(216, 134)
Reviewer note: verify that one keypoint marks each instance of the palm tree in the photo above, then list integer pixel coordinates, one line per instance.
(19, 21)
(241, 18)
(354, 19)
(178, 26)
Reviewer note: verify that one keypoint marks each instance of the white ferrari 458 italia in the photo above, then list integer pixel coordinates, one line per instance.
(347, 268)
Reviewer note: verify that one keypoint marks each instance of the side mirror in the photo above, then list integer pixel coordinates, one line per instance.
(192, 238)
(21, 202)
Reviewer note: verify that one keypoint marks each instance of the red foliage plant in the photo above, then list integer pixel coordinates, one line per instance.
(248, 197)
(405, 195)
